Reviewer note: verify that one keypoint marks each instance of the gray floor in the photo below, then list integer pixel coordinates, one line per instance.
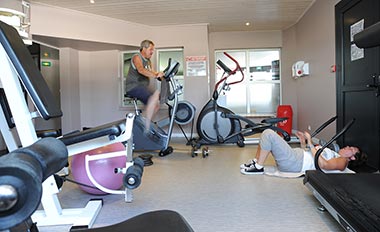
(212, 195)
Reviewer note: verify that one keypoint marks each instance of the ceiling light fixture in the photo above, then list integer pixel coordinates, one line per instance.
(92, 1)
(247, 24)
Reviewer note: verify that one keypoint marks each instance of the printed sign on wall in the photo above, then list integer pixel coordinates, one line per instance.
(196, 66)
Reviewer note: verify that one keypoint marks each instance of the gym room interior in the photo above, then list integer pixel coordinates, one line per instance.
(81, 49)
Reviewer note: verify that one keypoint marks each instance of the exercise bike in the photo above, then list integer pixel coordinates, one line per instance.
(219, 125)
(156, 138)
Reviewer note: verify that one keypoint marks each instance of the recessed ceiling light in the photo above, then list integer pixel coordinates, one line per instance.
(247, 24)
(92, 1)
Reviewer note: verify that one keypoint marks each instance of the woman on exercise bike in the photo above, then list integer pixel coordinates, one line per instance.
(290, 159)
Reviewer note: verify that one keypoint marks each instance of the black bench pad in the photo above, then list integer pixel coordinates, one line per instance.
(109, 129)
(157, 221)
(354, 196)
(28, 72)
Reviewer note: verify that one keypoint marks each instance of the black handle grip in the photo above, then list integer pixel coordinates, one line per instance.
(319, 152)
(369, 37)
(224, 67)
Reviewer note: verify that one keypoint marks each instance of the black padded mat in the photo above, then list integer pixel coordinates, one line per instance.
(356, 197)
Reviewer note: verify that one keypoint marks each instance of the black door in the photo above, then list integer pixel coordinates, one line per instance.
(356, 69)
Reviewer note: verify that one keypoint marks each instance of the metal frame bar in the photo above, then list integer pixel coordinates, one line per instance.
(52, 213)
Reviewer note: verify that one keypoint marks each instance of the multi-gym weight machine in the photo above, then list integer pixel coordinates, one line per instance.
(18, 72)
(22, 173)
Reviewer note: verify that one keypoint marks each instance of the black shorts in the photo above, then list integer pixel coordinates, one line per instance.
(142, 93)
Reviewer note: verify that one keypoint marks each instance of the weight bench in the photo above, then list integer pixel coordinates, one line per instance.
(16, 123)
(23, 171)
(352, 199)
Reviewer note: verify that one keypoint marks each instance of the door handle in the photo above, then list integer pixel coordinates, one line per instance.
(375, 84)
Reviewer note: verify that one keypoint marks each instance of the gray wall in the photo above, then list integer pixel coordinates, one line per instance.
(312, 39)
(70, 94)
(99, 87)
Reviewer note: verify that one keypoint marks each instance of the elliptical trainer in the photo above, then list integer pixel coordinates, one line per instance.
(217, 124)
(157, 138)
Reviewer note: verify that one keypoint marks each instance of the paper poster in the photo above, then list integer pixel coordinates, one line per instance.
(356, 53)
(196, 66)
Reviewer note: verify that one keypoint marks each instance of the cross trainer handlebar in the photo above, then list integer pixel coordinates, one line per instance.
(229, 71)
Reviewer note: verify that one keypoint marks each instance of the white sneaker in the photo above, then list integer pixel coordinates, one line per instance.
(248, 164)
(252, 170)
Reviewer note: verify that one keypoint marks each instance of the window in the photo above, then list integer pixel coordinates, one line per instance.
(260, 92)
(163, 56)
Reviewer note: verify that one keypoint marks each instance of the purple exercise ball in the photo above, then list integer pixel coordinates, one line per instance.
(102, 170)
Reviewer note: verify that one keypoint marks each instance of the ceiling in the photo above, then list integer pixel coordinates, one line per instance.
(220, 15)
